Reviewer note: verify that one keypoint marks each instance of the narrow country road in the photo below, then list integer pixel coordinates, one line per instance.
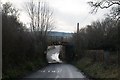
(56, 71)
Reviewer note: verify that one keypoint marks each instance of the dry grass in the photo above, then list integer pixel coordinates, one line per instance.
(97, 70)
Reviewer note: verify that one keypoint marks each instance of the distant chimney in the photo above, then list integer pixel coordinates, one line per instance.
(77, 27)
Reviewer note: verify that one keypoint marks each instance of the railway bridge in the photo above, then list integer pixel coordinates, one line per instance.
(59, 38)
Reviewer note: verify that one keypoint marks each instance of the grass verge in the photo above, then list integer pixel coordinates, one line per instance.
(97, 70)
(23, 70)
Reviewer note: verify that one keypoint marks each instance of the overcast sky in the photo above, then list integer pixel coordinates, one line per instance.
(67, 13)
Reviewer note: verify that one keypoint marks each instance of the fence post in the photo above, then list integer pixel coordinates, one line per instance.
(106, 57)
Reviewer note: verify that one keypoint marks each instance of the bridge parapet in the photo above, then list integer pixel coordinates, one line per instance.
(56, 40)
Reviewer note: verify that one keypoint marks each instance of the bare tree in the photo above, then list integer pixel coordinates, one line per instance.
(115, 13)
(40, 15)
(102, 4)
(30, 8)
(41, 18)
(8, 9)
